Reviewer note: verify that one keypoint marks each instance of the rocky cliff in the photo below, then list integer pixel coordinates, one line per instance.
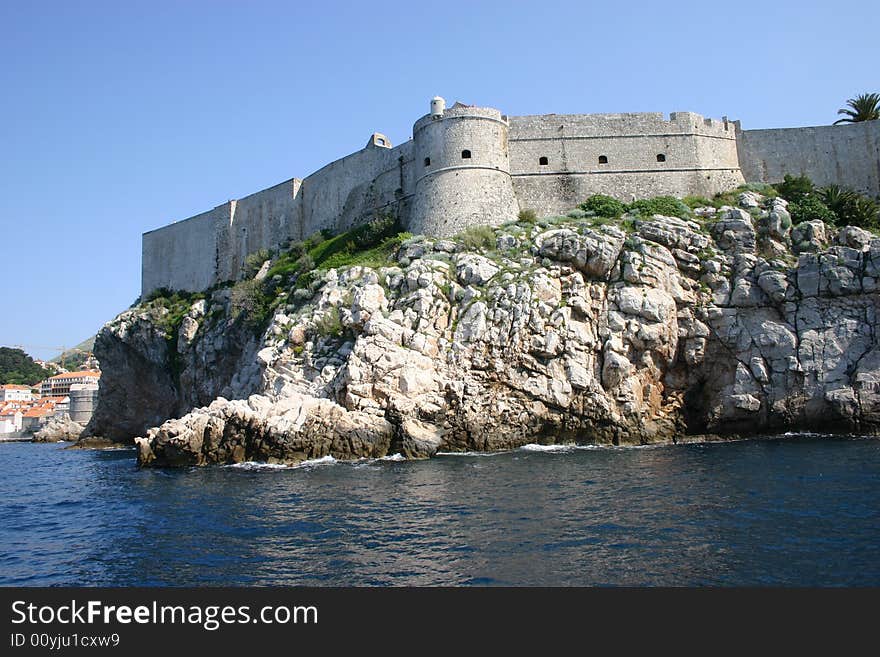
(569, 329)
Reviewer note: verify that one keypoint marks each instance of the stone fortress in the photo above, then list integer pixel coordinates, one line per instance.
(469, 165)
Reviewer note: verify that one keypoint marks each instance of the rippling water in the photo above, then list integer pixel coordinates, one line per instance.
(798, 511)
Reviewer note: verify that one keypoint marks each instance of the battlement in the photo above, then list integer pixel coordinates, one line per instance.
(467, 165)
(584, 126)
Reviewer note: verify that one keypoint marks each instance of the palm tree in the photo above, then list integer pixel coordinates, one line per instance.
(864, 107)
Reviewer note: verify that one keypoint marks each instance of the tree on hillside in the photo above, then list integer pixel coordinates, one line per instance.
(864, 107)
(19, 368)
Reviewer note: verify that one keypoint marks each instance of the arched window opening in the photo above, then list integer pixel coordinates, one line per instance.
(661, 157)
(465, 155)
(427, 161)
(603, 159)
(543, 161)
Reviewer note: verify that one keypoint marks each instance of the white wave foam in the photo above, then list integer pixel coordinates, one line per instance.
(534, 447)
(257, 465)
(506, 451)
(393, 457)
(324, 460)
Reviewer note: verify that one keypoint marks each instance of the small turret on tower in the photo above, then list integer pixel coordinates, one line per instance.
(438, 106)
(462, 170)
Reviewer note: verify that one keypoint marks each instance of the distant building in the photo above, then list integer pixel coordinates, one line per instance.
(83, 399)
(10, 420)
(62, 406)
(90, 363)
(59, 385)
(36, 417)
(14, 392)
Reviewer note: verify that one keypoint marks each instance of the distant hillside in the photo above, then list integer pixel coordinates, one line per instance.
(17, 367)
(74, 356)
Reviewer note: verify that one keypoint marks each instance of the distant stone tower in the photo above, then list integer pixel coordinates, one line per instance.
(462, 170)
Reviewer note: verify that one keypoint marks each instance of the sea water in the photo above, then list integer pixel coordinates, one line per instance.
(797, 510)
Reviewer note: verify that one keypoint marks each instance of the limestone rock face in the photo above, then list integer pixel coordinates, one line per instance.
(59, 429)
(565, 332)
(299, 428)
(148, 376)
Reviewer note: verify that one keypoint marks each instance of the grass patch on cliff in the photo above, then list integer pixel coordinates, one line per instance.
(370, 245)
(381, 255)
(176, 305)
(668, 206)
(167, 309)
(475, 238)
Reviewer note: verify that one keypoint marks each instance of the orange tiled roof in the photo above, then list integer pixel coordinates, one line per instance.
(38, 411)
(14, 386)
(71, 375)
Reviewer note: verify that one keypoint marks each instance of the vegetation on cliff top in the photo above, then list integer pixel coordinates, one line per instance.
(18, 368)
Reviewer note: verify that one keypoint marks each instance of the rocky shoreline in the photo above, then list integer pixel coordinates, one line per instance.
(573, 329)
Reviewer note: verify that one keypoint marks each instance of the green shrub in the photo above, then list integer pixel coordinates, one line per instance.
(863, 212)
(296, 249)
(809, 208)
(628, 225)
(477, 237)
(159, 293)
(603, 206)
(850, 207)
(375, 230)
(250, 300)
(330, 324)
(666, 205)
(176, 304)
(795, 188)
(527, 216)
(838, 199)
(254, 261)
(696, 202)
(314, 240)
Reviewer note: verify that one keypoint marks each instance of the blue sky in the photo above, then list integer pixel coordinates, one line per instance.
(119, 117)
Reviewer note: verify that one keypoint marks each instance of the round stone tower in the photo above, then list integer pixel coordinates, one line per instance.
(462, 170)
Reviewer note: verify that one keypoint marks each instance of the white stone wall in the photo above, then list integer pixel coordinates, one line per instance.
(452, 191)
(346, 191)
(502, 176)
(83, 399)
(183, 256)
(699, 157)
(847, 155)
(259, 221)
(212, 247)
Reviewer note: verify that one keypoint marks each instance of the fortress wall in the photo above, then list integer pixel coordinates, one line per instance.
(348, 190)
(212, 247)
(700, 157)
(461, 167)
(557, 194)
(183, 256)
(260, 221)
(847, 155)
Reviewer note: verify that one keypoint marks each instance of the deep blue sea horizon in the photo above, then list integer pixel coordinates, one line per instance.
(793, 511)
